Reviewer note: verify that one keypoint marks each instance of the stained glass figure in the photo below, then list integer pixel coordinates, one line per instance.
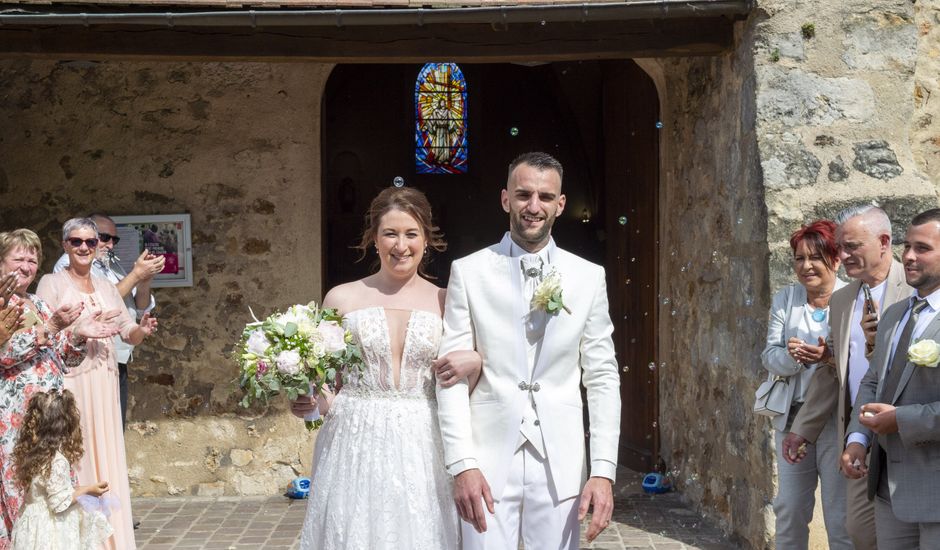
(441, 120)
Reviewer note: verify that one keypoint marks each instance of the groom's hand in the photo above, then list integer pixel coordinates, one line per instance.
(599, 492)
(470, 491)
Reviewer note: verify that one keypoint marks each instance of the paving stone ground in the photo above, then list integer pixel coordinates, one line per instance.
(652, 522)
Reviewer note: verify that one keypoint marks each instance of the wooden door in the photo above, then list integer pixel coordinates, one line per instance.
(631, 168)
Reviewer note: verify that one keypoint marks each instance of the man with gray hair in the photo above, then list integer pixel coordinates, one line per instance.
(864, 239)
(134, 288)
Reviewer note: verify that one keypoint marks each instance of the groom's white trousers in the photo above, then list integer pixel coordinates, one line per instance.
(527, 508)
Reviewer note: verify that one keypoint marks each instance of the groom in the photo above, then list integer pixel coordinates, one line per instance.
(538, 316)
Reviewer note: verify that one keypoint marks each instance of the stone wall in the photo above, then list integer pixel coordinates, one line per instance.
(844, 113)
(713, 288)
(235, 145)
(821, 106)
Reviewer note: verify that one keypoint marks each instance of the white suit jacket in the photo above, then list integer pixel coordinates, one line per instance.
(485, 311)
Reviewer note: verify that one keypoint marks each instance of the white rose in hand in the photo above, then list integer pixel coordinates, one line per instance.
(288, 362)
(925, 353)
(258, 343)
(333, 335)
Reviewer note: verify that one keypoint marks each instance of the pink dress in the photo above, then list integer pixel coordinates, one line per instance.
(95, 385)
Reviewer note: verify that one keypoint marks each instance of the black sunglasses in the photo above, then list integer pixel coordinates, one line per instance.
(106, 238)
(76, 242)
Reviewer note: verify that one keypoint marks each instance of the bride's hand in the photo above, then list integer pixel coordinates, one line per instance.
(303, 405)
(456, 366)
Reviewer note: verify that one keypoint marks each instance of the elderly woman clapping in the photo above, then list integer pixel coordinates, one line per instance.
(95, 381)
(41, 348)
(797, 337)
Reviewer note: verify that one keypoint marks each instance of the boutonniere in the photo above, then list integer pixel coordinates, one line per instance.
(547, 295)
(925, 353)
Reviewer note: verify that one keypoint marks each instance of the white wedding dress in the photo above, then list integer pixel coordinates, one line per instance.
(379, 481)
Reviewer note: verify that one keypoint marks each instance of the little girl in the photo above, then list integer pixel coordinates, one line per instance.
(52, 517)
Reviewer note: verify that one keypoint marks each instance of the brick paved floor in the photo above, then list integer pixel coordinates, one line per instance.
(660, 522)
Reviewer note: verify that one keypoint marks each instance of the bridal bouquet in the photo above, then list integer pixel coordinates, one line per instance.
(296, 352)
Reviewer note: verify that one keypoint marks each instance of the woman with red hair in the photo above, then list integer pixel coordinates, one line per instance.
(797, 342)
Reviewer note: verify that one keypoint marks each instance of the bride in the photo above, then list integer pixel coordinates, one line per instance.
(378, 478)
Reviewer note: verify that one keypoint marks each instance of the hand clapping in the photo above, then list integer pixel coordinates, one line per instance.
(11, 318)
(148, 324)
(64, 316)
(147, 265)
(8, 286)
(101, 325)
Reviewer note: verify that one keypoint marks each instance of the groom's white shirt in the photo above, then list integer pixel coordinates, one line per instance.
(485, 311)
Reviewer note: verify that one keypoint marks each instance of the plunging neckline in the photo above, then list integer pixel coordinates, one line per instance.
(407, 342)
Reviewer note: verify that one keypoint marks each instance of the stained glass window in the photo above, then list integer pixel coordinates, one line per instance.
(441, 120)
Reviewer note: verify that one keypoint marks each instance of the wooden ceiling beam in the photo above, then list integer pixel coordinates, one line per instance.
(455, 42)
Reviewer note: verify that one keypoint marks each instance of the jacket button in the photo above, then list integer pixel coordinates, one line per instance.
(537, 423)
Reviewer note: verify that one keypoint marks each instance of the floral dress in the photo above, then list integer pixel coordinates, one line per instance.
(26, 368)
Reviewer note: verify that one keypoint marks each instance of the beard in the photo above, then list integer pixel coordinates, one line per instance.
(925, 280)
(523, 234)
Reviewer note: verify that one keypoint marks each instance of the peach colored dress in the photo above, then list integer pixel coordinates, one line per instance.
(95, 385)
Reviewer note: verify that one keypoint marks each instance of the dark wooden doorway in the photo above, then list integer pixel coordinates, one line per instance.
(591, 115)
(631, 168)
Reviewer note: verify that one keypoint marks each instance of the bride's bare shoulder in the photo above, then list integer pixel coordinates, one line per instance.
(345, 297)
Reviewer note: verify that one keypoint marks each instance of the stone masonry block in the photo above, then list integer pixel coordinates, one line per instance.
(876, 159)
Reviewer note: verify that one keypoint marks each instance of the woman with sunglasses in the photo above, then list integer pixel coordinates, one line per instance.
(95, 381)
(42, 346)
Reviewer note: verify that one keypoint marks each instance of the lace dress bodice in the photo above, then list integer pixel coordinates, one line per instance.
(369, 327)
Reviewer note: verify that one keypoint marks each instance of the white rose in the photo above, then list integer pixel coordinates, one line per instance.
(319, 350)
(925, 353)
(333, 336)
(306, 328)
(288, 362)
(257, 343)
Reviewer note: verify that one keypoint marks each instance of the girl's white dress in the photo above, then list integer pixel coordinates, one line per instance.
(51, 520)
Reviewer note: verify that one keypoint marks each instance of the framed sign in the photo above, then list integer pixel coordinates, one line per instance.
(167, 235)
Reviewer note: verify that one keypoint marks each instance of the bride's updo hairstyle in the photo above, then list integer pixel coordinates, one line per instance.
(412, 202)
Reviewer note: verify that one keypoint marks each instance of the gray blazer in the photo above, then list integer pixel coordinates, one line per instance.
(786, 310)
(914, 452)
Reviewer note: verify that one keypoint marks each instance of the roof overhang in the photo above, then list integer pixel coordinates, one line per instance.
(541, 32)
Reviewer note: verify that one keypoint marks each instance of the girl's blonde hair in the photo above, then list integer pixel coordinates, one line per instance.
(52, 423)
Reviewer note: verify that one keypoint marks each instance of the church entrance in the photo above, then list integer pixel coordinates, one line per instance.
(599, 118)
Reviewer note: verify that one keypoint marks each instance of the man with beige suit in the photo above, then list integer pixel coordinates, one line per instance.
(864, 239)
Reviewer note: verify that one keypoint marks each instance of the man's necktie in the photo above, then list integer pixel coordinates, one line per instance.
(900, 353)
